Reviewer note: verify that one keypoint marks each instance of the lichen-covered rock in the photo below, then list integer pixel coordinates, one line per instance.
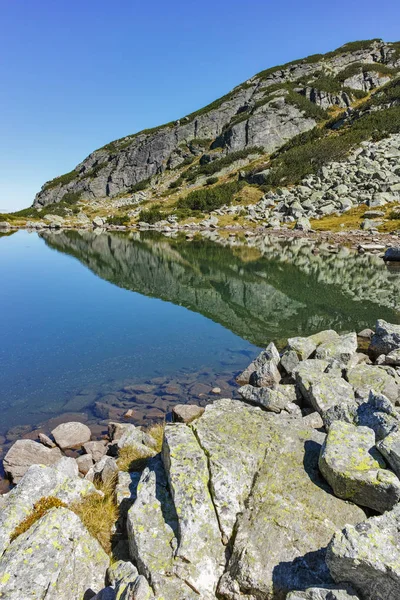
(354, 468)
(289, 361)
(71, 435)
(386, 338)
(323, 337)
(328, 592)
(269, 355)
(276, 399)
(377, 413)
(25, 453)
(265, 376)
(95, 449)
(55, 559)
(288, 520)
(367, 556)
(364, 378)
(200, 546)
(306, 372)
(389, 447)
(38, 482)
(340, 349)
(303, 346)
(326, 390)
(124, 435)
(152, 526)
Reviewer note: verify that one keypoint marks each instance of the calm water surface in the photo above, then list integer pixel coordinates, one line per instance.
(89, 318)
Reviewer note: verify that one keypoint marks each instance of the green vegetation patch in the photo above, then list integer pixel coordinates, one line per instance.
(62, 180)
(209, 199)
(311, 110)
(140, 186)
(118, 220)
(151, 215)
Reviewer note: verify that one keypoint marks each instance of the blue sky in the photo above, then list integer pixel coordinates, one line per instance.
(77, 74)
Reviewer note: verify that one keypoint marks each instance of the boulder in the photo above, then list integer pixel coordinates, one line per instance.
(152, 526)
(38, 482)
(98, 222)
(393, 358)
(327, 390)
(354, 468)
(200, 547)
(377, 413)
(266, 375)
(64, 560)
(84, 462)
(313, 420)
(186, 413)
(289, 361)
(365, 378)
(329, 592)
(281, 397)
(133, 436)
(367, 556)
(269, 354)
(305, 373)
(71, 435)
(25, 453)
(95, 449)
(340, 349)
(389, 447)
(304, 347)
(288, 520)
(322, 337)
(105, 470)
(386, 338)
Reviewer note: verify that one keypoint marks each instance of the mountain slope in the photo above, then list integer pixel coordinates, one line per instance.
(258, 117)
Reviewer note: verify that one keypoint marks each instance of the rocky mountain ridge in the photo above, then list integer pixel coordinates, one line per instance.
(264, 113)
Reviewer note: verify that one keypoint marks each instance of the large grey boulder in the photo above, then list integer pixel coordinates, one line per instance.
(365, 378)
(265, 376)
(200, 546)
(71, 435)
(327, 390)
(39, 482)
(288, 520)
(152, 526)
(306, 373)
(377, 413)
(329, 592)
(276, 399)
(55, 559)
(269, 355)
(389, 447)
(354, 468)
(386, 338)
(25, 453)
(340, 349)
(304, 347)
(367, 556)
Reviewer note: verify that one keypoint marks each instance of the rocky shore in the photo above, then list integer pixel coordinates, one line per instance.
(291, 491)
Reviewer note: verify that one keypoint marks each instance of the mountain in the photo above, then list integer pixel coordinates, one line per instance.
(266, 113)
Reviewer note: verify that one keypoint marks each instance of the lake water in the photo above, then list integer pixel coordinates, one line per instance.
(93, 324)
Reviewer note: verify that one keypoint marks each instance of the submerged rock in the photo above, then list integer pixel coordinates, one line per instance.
(354, 468)
(55, 559)
(367, 556)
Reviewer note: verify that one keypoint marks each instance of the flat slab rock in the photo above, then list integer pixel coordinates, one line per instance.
(288, 520)
(367, 556)
(356, 470)
(55, 559)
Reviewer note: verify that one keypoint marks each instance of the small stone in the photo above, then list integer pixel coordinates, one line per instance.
(128, 414)
(216, 391)
(84, 462)
(186, 413)
(95, 449)
(71, 435)
(313, 420)
(46, 441)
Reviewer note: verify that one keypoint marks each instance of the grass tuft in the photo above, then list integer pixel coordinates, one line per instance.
(133, 459)
(40, 508)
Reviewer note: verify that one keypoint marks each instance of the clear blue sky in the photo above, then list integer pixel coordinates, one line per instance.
(76, 74)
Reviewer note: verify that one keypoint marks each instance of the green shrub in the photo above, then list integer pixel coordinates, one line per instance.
(151, 215)
(206, 200)
(221, 163)
(118, 220)
(141, 185)
(311, 110)
(71, 198)
(211, 180)
(62, 180)
(357, 68)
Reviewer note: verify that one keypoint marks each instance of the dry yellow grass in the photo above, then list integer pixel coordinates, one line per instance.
(157, 432)
(99, 513)
(133, 459)
(39, 509)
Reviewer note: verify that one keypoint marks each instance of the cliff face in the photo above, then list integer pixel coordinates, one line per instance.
(266, 111)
